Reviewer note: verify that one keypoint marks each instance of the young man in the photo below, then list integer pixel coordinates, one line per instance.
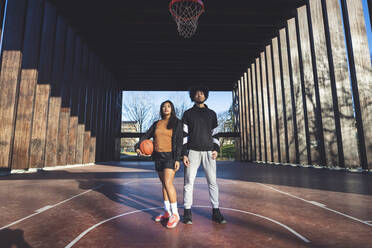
(199, 146)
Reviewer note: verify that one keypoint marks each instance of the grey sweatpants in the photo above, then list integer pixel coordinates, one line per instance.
(209, 166)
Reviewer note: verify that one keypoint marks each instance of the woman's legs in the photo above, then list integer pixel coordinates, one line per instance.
(161, 177)
(169, 186)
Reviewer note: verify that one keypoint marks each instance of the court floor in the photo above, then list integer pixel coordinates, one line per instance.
(114, 205)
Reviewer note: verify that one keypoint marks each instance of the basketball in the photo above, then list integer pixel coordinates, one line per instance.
(147, 147)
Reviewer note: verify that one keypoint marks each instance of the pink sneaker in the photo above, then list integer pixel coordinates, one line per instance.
(173, 221)
(161, 217)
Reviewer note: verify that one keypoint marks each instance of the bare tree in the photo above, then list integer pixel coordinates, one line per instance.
(225, 123)
(139, 108)
(181, 104)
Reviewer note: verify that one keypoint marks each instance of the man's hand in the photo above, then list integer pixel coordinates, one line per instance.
(176, 166)
(186, 161)
(214, 155)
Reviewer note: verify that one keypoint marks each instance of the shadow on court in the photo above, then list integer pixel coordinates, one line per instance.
(311, 178)
(13, 239)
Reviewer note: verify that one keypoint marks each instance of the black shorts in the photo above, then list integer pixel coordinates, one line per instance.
(163, 160)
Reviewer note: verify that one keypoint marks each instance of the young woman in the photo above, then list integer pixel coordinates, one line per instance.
(168, 138)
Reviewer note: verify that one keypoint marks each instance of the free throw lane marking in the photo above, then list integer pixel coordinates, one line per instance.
(318, 205)
(149, 209)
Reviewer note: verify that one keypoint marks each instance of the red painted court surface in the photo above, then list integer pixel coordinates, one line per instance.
(114, 205)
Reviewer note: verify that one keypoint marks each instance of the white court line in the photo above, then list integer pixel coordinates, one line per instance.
(318, 205)
(73, 242)
(48, 207)
(263, 217)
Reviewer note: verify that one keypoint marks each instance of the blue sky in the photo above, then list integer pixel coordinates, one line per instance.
(219, 101)
(368, 25)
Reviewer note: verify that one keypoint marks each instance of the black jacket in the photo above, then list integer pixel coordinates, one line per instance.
(176, 138)
(199, 130)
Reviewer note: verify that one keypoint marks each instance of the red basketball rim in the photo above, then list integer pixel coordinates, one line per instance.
(186, 19)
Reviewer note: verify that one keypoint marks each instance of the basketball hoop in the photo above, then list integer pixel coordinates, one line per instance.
(186, 14)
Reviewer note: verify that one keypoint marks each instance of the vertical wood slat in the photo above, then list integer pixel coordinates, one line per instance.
(28, 80)
(314, 156)
(107, 125)
(338, 62)
(118, 124)
(55, 101)
(96, 96)
(273, 156)
(89, 108)
(271, 94)
(261, 149)
(244, 118)
(100, 106)
(239, 97)
(247, 118)
(11, 59)
(38, 139)
(254, 112)
(74, 87)
(279, 102)
(39, 127)
(118, 121)
(324, 85)
(94, 112)
(107, 119)
(287, 98)
(93, 137)
(82, 98)
(64, 121)
(262, 107)
(296, 78)
(242, 125)
(109, 122)
(249, 114)
(361, 75)
(112, 121)
(265, 108)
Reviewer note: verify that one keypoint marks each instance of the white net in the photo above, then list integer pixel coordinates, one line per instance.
(186, 14)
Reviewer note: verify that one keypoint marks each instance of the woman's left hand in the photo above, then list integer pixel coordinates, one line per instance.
(176, 166)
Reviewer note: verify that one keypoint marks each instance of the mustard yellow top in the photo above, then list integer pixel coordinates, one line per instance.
(163, 137)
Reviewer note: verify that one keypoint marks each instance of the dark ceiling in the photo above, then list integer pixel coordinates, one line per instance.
(139, 43)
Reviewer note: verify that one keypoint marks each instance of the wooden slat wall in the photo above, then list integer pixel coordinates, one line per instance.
(40, 116)
(48, 101)
(240, 97)
(323, 90)
(29, 77)
(261, 144)
(10, 76)
(287, 100)
(361, 75)
(51, 149)
(254, 112)
(308, 92)
(264, 108)
(298, 111)
(340, 77)
(247, 118)
(309, 86)
(251, 115)
(271, 94)
(279, 102)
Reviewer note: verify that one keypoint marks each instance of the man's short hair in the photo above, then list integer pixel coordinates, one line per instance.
(203, 89)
